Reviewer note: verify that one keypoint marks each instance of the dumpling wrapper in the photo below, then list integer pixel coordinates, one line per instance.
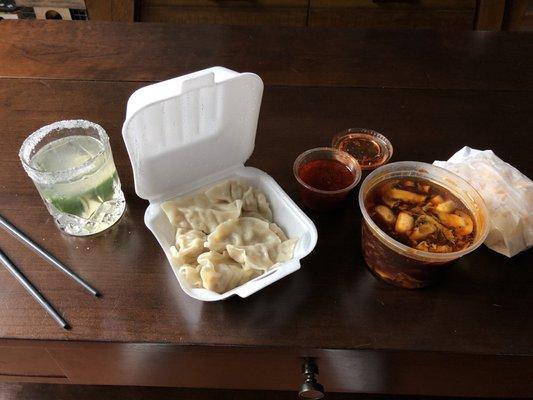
(191, 274)
(220, 273)
(207, 219)
(242, 241)
(262, 256)
(227, 191)
(243, 231)
(278, 231)
(173, 213)
(254, 202)
(189, 245)
(199, 213)
(252, 242)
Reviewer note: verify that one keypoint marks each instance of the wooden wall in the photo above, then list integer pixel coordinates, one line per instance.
(448, 14)
(436, 14)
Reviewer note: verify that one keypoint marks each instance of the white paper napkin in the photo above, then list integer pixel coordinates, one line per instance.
(508, 195)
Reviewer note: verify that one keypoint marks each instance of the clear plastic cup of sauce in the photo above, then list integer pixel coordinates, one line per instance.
(370, 148)
(326, 176)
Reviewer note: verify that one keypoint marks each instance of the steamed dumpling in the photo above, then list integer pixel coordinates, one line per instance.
(192, 275)
(198, 213)
(207, 219)
(262, 256)
(278, 231)
(189, 245)
(226, 192)
(172, 209)
(252, 242)
(225, 236)
(254, 202)
(242, 231)
(221, 273)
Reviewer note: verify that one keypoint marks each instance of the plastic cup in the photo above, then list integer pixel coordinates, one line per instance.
(402, 265)
(370, 148)
(319, 199)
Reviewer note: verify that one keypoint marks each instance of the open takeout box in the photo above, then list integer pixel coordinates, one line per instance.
(189, 133)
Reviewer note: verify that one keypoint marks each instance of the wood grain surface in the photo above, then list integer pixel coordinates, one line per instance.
(444, 15)
(484, 292)
(273, 13)
(475, 326)
(281, 56)
(17, 391)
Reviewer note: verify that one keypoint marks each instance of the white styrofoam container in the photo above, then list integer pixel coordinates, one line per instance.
(188, 133)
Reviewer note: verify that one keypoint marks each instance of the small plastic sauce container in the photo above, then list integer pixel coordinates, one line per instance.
(326, 176)
(404, 266)
(370, 148)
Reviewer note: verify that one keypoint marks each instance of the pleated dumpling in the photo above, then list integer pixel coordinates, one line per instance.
(198, 213)
(262, 256)
(252, 242)
(221, 273)
(227, 191)
(189, 245)
(242, 231)
(278, 231)
(172, 209)
(225, 236)
(254, 202)
(207, 219)
(191, 274)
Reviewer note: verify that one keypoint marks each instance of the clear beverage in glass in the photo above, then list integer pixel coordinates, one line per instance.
(71, 164)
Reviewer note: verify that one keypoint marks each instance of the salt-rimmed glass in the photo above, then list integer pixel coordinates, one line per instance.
(71, 164)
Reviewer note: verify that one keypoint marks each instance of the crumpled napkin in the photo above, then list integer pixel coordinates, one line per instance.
(508, 195)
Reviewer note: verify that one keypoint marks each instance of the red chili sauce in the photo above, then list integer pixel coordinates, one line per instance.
(326, 175)
(365, 150)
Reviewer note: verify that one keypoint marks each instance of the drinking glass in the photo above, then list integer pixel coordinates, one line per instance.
(71, 164)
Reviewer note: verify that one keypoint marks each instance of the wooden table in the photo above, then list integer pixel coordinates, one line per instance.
(430, 93)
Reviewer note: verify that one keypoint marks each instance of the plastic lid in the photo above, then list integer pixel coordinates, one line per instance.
(370, 148)
(183, 129)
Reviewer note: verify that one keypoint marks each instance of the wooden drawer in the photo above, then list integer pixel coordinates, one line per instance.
(29, 364)
(219, 367)
(417, 373)
(180, 366)
(230, 12)
(440, 14)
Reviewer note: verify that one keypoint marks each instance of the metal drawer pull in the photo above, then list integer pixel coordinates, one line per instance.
(310, 389)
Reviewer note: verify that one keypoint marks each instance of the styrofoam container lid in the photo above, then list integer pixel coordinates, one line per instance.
(204, 122)
(188, 133)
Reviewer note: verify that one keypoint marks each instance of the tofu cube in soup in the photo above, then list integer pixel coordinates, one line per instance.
(421, 214)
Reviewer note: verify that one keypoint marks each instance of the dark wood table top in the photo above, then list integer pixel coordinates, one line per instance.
(281, 56)
(430, 93)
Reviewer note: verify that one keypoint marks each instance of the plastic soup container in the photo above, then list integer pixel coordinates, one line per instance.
(186, 134)
(400, 264)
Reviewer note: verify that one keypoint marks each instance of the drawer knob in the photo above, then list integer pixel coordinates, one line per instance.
(310, 389)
